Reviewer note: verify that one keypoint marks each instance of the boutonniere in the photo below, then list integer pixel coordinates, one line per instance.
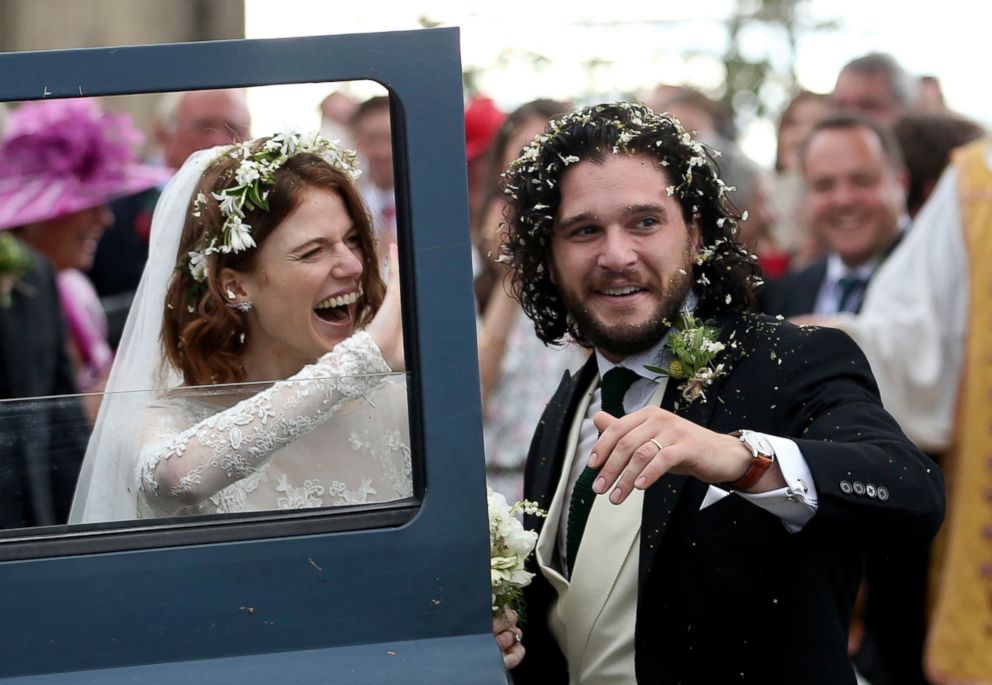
(691, 347)
(15, 260)
(509, 546)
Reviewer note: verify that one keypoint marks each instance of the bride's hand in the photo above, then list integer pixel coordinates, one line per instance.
(508, 637)
(386, 327)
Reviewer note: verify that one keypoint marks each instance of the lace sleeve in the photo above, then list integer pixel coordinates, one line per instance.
(230, 445)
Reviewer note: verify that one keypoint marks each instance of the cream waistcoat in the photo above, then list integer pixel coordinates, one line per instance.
(594, 616)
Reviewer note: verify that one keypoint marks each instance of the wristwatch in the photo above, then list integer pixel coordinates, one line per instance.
(762, 456)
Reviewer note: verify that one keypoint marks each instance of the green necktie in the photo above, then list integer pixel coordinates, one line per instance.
(613, 387)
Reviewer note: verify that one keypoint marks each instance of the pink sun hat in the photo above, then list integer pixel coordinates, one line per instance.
(62, 156)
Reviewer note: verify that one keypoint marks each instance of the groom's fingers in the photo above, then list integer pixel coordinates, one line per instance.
(602, 421)
(646, 465)
(628, 453)
(619, 447)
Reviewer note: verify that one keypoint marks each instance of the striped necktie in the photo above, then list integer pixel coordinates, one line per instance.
(850, 287)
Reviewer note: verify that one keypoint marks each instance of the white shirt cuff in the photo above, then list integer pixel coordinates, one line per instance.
(796, 503)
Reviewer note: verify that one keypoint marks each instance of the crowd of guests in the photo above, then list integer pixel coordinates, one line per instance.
(841, 228)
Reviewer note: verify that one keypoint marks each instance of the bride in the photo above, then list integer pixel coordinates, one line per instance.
(261, 266)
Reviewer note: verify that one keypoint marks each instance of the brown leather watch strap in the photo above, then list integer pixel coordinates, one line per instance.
(759, 464)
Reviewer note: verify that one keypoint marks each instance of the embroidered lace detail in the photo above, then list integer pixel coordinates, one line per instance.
(391, 451)
(221, 458)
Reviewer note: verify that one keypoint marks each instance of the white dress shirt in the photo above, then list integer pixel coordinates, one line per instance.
(828, 299)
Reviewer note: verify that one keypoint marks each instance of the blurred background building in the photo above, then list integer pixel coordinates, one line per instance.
(58, 24)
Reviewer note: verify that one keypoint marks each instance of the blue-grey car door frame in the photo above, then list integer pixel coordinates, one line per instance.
(395, 593)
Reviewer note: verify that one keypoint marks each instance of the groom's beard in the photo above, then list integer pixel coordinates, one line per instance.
(627, 339)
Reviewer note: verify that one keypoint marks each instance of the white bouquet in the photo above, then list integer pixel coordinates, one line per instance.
(509, 547)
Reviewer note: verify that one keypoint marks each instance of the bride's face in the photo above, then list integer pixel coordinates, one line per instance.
(304, 287)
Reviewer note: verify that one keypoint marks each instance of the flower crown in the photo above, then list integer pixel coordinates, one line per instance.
(254, 176)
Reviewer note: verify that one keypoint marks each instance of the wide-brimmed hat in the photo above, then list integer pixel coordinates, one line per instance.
(63, 156)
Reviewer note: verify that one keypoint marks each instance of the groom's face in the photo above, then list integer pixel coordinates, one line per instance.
(621, 252)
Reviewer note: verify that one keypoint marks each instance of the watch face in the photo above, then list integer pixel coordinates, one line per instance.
(758, 443)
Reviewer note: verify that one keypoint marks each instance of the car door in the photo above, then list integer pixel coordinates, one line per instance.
(394, 592)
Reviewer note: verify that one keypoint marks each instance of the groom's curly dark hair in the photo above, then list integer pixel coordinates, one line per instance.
(724, 276)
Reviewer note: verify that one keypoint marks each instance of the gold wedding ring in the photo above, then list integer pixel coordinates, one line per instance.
(657, 444)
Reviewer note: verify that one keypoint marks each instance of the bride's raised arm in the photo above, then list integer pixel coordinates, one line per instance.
(185, 469)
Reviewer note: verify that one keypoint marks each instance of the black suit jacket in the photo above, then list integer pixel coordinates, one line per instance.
(42, 441)
(794, 294)
(727, 594)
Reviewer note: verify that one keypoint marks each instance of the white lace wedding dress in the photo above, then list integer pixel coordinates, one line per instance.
(336, 433)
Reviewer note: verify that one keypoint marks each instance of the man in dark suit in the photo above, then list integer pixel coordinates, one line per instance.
(42, 436)
(855, 198)
(742, 492)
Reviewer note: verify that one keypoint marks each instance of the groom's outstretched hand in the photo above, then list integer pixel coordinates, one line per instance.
(508, 637)
(628, 450)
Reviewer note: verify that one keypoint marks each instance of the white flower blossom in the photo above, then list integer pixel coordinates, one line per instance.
(230, 205)
(239, 235)
(198, 266)
(248, 172)
(510, 545)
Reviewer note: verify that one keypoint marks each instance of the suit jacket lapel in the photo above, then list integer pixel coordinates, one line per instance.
(661, 498)
(547, 453)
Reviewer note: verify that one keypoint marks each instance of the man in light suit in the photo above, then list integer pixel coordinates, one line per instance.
(739, 496)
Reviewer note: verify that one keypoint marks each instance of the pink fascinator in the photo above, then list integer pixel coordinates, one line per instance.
(63, 156)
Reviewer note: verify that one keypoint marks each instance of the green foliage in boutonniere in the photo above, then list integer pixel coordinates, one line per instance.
(15, 260)
(691, 347)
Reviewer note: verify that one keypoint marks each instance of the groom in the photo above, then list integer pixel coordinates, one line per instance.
(710, 524)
